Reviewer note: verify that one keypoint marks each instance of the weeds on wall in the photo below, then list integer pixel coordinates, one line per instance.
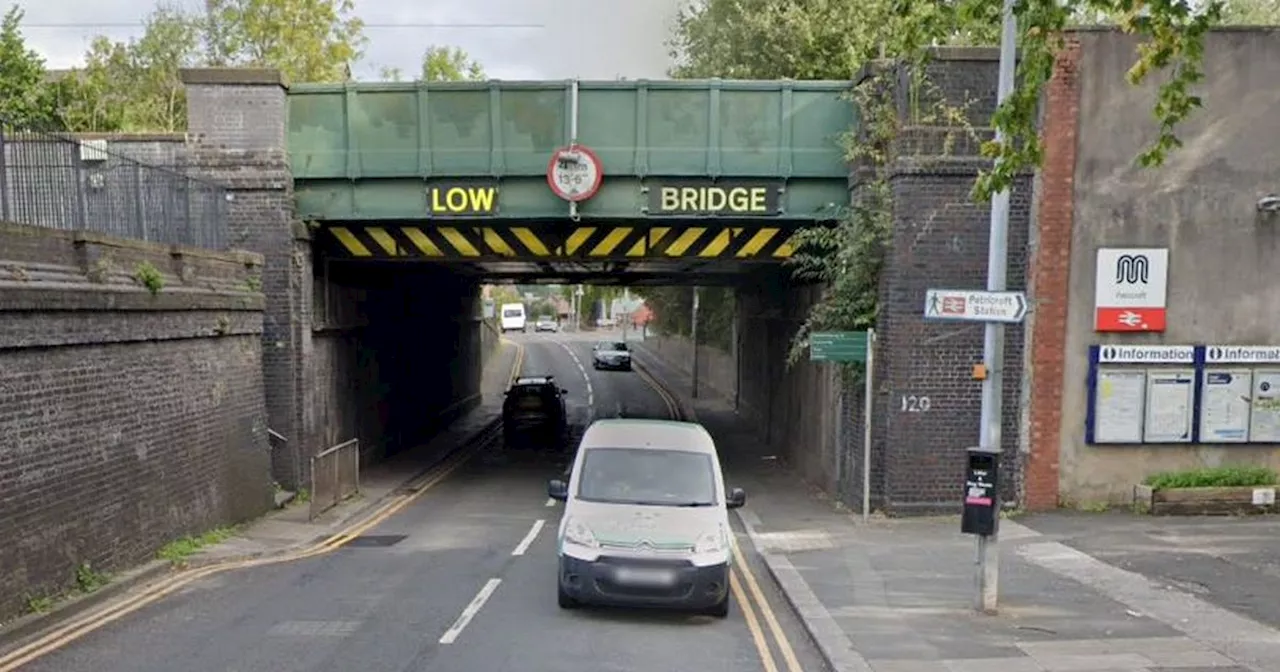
(848, 258)
(149, 276)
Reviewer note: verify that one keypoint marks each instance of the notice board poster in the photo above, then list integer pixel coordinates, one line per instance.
(1264, 425)
(1225, 405)
(1118, 404)
(1170, 401)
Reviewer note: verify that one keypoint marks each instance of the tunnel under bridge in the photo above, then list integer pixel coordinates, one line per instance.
(417, 193)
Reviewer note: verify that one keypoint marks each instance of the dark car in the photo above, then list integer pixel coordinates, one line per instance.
(613, 355)
(533, 413)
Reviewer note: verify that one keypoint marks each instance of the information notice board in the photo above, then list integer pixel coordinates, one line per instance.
(1118, 405)
(1182, 394)
(1264, 425)
(1224, 405)
(1170, 406)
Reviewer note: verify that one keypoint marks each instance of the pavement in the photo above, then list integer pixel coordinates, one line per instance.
(460, 578)
(1078, 592)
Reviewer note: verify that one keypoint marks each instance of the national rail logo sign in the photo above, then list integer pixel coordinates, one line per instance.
(1131, 286)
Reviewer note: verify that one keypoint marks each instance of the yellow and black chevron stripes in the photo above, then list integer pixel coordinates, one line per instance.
(608, 242)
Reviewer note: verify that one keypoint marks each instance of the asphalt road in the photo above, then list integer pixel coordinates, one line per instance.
(463, 580)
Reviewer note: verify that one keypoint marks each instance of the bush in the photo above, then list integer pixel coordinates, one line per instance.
(1215, 477)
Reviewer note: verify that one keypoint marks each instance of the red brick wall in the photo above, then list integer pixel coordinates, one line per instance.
(1049, 272)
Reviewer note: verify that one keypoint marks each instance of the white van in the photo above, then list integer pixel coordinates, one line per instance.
(513, 318)
(646, 518)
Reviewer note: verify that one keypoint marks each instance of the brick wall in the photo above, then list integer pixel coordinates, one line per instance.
(928, 406)
(717, 369)
(237, 123)
(349, 350)
(794, 409)
(1049, 268)
(126, 419)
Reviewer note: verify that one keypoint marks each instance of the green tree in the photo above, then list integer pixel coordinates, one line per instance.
(388, 73)
(26, 98)
(832, 39)
(307, 40)
(1252, 12)
(449, 64)
(135, 85)
(94, 98)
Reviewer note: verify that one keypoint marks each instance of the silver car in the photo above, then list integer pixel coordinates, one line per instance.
(613, 355)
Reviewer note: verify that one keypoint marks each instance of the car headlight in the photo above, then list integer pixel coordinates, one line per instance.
(579, 535)
(711, 542)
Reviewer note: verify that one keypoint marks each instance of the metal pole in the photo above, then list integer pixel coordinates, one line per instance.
(988, 578)
(693, 334)
(573, 136)
(866, 425)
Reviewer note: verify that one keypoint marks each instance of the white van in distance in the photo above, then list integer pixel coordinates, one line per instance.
(513, 318)
(646, 518)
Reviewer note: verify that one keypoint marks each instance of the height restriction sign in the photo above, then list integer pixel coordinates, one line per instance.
(574, 173)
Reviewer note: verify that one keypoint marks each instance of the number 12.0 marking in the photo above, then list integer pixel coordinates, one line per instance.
(913, 404)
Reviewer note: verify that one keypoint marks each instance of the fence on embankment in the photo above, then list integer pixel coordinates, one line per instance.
(60, 181)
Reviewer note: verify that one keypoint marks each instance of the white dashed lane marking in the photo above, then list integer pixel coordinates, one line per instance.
(528, 538)
(591, 393)
(470, 612)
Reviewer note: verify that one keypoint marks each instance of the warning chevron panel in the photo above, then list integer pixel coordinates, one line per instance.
(608, 242)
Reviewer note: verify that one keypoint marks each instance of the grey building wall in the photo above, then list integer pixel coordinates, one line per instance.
(1201, 205)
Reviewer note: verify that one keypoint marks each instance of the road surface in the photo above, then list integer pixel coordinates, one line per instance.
(462, 580)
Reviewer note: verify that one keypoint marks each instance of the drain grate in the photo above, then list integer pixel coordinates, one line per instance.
(376, 540)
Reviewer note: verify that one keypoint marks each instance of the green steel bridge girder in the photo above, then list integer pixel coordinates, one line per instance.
(524, 198)
(368, 151)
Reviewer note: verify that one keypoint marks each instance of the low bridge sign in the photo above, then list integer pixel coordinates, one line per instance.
(706, 198)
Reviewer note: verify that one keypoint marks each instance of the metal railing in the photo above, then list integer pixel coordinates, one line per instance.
(56, 181)
(335, 476)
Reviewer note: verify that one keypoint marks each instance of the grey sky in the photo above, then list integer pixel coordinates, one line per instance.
(591, 39)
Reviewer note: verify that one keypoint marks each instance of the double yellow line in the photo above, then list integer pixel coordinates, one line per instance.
(780, 639)
(67, 633)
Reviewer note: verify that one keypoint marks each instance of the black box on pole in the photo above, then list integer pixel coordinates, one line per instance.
(981, 490)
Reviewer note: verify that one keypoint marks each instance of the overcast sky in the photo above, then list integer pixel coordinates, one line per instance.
(591, 39)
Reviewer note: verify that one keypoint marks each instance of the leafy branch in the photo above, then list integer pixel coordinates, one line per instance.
(849, 257)
(1174, 32)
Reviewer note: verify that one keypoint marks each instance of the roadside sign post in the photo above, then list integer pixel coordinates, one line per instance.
(995, 308)
(853, 346)
(693, 334)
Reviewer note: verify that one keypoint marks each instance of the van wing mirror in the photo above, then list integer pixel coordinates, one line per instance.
(557, 490)
(737, 498)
